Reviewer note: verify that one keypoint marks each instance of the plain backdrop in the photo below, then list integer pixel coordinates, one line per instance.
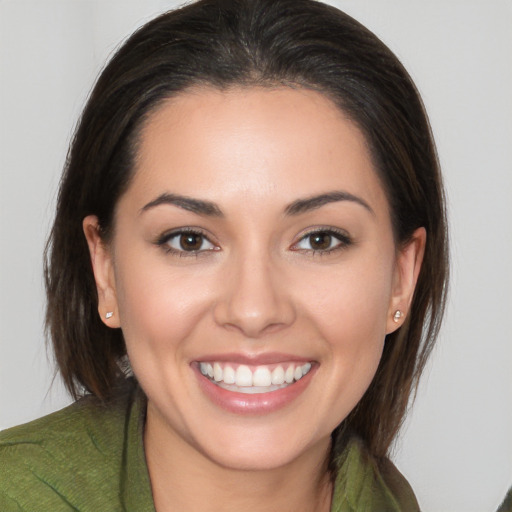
(456, 447)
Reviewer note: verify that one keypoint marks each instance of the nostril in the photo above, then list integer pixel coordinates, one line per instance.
(254, 323)
(254, 330)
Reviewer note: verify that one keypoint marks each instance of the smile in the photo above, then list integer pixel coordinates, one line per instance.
(259, 379)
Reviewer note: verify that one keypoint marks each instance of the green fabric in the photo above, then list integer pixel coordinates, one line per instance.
(506, 506)
(90, 458)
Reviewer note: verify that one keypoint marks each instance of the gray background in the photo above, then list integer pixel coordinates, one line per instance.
(456, 448)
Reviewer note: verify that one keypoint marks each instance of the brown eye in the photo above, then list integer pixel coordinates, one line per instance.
(323, 241)
(186, 242)
(191, 241)
(320, 241)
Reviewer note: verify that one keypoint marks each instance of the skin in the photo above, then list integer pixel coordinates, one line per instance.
(254, 286)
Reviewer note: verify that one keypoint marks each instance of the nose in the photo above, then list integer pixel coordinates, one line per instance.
(254, 297)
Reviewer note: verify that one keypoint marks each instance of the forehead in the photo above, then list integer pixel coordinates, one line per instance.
(253, 143)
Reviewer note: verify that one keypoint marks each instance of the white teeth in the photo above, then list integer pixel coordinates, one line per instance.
(229, 375)
(251, 390)
(261, 376)
(288, 376)
(243, 376)
(278, 376)
(217, 372)
(260, 379)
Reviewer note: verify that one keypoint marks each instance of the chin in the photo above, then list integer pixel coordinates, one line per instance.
(262, 451)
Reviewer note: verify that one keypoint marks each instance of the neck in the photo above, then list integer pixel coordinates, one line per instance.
(182, 478)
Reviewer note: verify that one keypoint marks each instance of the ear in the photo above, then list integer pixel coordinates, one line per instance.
(102, 265)
(408, 265)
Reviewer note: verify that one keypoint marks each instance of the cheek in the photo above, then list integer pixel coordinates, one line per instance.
(351, 302)
(349, 308)
(354, 328)
(158, 306)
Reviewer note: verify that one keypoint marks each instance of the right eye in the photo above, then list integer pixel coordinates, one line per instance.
(186, 242)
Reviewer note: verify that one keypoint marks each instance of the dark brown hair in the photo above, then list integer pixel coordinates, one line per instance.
(225, 43)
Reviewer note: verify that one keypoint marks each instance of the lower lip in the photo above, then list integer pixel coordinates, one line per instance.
(260, 403)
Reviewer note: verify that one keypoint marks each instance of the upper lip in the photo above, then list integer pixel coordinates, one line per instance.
(254, 359)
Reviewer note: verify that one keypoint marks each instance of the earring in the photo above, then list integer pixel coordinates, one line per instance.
(396, 317)
(109, 314)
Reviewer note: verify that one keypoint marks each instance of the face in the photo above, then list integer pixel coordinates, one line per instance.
(253, 272)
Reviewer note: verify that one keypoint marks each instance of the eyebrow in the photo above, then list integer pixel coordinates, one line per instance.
(210, 209)
(198, 206)
(315, 202)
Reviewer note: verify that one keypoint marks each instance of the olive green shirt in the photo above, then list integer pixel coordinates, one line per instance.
(506, 506)
(90, 458)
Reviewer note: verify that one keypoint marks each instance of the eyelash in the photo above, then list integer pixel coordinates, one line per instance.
(164, 240)
(342, 237)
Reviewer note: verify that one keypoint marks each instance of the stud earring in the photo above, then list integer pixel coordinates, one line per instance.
(109, 314)
(396, 317)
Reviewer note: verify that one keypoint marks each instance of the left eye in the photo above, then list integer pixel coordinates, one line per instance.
(322, 241)
(188, 242)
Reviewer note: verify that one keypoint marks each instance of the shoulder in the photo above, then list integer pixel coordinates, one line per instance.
(365, 483)
(45, 462)
(506, 505)
(398, 486)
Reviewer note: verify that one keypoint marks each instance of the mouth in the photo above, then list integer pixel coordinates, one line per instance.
(249, 379)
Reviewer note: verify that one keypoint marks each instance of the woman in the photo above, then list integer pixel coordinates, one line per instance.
(251, 221)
